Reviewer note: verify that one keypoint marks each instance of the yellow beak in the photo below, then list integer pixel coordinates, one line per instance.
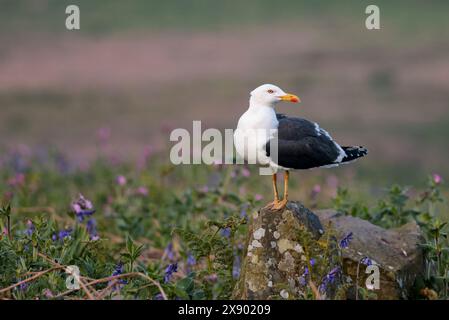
(290, 97)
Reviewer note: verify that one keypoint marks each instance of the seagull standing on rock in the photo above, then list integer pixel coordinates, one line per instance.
(301, 144)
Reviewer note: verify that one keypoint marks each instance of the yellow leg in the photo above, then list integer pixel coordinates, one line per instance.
(286, 176)
(275, 188)
(281, 204)
(275, 191)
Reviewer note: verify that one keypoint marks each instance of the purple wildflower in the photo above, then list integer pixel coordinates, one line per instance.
(258, 197)
(30, 228)
(171, 268)
(121, 180)
(23, 287)
(245, 172)
(212, 277)
(236, 267)
(366, 261)
(191, 260)
(64, 233)
(302, 281)
(118, 270)
(306, 272)
(243, 212)
(158, 297)
(226, 232)
(169, 253)
(82, 208)
(329, 278)
(91, 227)
(142, 191)
(47, 293)
(61, 235)
(344, 243)
(437, 179)
(315, 191)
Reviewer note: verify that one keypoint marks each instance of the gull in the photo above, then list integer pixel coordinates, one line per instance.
(301, 144)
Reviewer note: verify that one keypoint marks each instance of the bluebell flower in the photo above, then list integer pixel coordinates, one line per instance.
(236, 267)
(305, 275)
(170, 254)
(82, 208)
(366, 261)
(306, 272)
(158, 297)
(118, 270)
(171, 268)
(23, 287)
(191, 260)
(329, 278)
(226, 232)
(64, 233)
(344, 243)
(30, 228)
(91, 227)
(243, 211)
(61, 235)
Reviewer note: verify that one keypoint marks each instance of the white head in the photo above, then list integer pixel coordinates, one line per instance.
(269, 95)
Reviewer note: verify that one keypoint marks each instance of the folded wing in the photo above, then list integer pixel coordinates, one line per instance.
(302, 144)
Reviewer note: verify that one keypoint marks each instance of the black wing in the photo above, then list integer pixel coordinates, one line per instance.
(302, 144)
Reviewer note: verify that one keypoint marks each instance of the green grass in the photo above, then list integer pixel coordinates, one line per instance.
(173, 220)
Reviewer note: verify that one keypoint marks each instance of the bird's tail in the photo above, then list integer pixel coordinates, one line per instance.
(354, 152)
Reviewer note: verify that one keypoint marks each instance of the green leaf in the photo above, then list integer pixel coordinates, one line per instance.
(185, 284)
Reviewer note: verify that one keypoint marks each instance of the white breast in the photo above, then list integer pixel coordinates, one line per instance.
(255, 127)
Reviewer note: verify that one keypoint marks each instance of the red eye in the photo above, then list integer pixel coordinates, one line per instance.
(270, 91)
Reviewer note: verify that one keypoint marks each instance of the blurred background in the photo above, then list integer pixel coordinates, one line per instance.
(137, 69)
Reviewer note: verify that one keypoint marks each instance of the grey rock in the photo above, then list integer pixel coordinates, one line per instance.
(274, 258)
(278, 248)
(395, 251)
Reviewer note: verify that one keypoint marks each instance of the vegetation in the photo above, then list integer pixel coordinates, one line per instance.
(137, 231)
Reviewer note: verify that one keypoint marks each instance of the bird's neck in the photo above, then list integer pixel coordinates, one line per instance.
(260, 116)
(262, 109)
(254, 104)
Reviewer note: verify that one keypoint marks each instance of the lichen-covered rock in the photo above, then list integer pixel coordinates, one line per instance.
(281, 244)
(395, 251)
(280, 247)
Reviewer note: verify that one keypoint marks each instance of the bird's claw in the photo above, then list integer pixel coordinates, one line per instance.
(270, 205)
(279, 205)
